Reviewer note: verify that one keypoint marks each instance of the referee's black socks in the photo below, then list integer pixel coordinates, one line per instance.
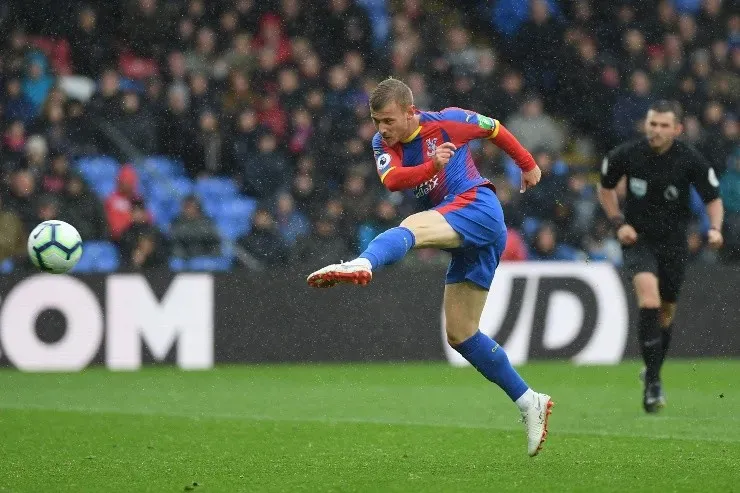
(651, 342)
(666, 333)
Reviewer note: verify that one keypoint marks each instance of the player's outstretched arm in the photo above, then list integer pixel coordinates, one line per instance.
(504, 139)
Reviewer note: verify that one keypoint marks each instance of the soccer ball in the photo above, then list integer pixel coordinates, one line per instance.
(54, 246)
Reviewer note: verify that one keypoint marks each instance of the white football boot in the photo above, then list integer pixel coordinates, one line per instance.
(535, 420)
(357, 271)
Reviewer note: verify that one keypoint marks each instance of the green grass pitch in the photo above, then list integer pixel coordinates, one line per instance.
(376, 427)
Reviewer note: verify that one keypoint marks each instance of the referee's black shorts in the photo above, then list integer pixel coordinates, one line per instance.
(666, 261)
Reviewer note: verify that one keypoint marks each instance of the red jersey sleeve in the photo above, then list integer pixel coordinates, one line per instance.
(393, 175)
(463, 126)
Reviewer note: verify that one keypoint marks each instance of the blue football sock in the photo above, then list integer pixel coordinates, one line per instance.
(490, 359)
(389, 247)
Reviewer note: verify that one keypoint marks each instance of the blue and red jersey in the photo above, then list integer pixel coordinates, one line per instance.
(460, 174)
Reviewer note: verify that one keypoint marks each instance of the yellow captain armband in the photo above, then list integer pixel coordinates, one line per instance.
(488, 123)
(496, 128)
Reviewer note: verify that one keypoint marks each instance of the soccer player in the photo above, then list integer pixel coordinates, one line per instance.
(652, 230)
(428, 152)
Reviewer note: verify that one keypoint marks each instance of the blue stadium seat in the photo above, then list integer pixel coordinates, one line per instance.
(164, 213)
(164, 198)
(7, 266)
(234, 217)
(240, 207)
(208, 188)
(210, 264)
(158, 166)
(97, 256)
(100, 173)
(178, 264)
(231, 229)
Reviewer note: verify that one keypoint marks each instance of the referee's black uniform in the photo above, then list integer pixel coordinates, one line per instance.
(657, 206)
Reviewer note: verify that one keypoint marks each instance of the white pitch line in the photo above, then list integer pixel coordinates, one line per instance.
(361, 420)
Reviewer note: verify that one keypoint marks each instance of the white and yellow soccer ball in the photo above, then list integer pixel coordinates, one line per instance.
(54, 246)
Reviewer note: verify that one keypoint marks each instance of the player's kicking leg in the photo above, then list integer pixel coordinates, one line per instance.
(426, 229)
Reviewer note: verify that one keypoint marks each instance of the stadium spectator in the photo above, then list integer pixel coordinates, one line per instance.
(37, 81)
(16, 105)
(89, 43)
(385, 216)
(22, 197)
(630, 108)
(119, 205)
(264, 171)
(546, 246)
(55, 178)
(600, 244)
(192, 233)
(323, 244)
(536, 47)
(264, 244)
(105, 102)
(47, 208)
(209, 153)
(357, 206)
(136, 124)
(36, 155)
(175, 127)
(516, 247)
(536, 129)
(549, 200)
(83, 209)
(142, 244)
(13, 237)
(14, 142)
(291, 223)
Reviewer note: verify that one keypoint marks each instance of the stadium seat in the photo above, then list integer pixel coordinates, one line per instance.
(218, 263)
(231, 229)
(7, 266)
(239, 208)
(210, 264)
(209, 188)
(168, 188)
(97, 256)
(157, 166)
(163, 212)
(178, 264)
(100, 173)
(234, 217)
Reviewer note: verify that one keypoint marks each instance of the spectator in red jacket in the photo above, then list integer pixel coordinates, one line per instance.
(118, 205)
(516, 249)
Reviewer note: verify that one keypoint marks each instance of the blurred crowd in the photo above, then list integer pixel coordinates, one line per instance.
(274, 95)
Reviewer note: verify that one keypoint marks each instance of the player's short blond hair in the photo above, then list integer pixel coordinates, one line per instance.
(391, 91)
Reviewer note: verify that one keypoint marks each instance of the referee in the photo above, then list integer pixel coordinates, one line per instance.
(652, 230)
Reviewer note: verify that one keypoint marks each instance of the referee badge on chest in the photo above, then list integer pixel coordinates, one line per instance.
(638, 187)
(670, 193)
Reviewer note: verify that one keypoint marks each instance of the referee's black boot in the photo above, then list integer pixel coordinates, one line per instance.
(661, 394)
(653, 399)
